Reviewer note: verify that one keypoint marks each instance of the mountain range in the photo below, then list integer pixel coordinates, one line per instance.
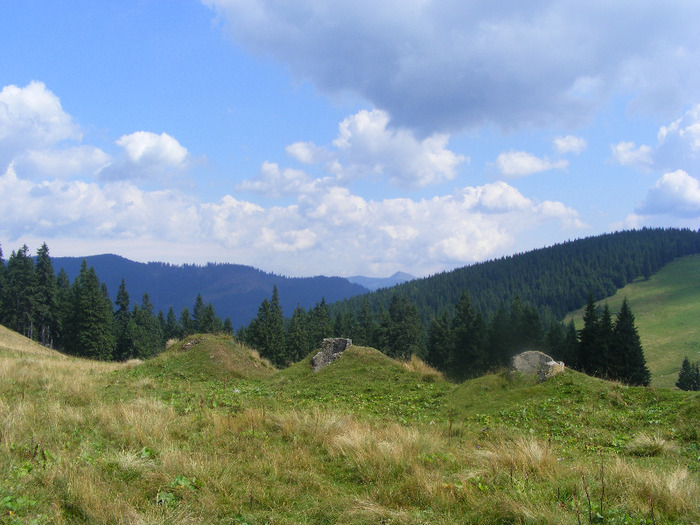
(234, 290)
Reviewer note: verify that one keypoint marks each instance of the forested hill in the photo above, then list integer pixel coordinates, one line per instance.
(234, 290)
(553, 280)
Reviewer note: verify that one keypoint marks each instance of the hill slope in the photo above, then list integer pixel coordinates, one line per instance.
(181, 440)
(667, 313)
(555, 280)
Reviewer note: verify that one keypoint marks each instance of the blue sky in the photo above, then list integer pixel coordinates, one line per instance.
(344, 138)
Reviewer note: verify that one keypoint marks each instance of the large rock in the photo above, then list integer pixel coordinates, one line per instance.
(534, 362)
(331, 349)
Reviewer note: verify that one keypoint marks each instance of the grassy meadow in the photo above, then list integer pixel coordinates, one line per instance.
(208, 432)
(667, 312)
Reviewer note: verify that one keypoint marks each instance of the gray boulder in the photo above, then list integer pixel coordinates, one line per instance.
(331, 349)
(534, 362)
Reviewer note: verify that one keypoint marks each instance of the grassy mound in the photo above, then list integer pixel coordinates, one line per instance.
(209, 357)
(206, 434)
(666, 310)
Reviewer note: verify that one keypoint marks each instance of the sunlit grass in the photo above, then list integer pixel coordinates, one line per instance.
(370, 440)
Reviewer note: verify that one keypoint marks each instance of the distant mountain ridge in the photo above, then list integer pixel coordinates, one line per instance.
(235, 290)
(375, 283)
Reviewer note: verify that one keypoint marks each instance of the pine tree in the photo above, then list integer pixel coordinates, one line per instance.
(297, 339)
(64, 308)
(588, 338)
(402, 329)
(365, 327)
(604, 362)
(173, 330)
(319, 324)
(197, 312)
(627, 349)
(468, 357)
(20, 293)
(92, 319)
(440, 341)
(2, 285)
(186, 322)
(147, 335)
(45, 309)
(266, 332)
(689, 376)
(123, 326)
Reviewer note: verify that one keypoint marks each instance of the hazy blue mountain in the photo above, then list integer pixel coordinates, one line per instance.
(375, 283)
(236, 291)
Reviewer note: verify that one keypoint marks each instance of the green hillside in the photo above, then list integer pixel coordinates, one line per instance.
(667, 313)
(209, 433)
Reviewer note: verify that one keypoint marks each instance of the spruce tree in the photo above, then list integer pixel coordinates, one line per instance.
(46, 316)
(605, 364)
(64, 308)
(689, 376)
(297, 338)
(186, 323)
(92, 322)
(468, 356)
(365, 327)
(123, 326)
(319, 324)
(588, 338)
(2, 285)
(173, 330)
(440, 341)
(266, 332)
(402, 329)
(197, 312)
(20, 293)
(627, 348)
(147, 335)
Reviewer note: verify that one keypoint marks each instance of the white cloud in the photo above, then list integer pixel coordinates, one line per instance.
(520, 163)
(275, 182)
(148, 149)
(685, 129)
(307, 152)
(628, 154)
(63, 163)
(329, 231)
(569, 144)
(676, 194)
(32, 117)
(442, 66)
(366, 147)
(366, 144)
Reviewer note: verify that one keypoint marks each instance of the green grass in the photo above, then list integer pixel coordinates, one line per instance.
(667, 314)
(210, 433)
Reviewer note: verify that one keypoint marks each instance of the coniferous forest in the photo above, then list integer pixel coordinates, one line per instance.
(79, 318)
(464, 322)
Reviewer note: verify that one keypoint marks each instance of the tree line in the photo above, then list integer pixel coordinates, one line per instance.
(463, 344)
(79, 318)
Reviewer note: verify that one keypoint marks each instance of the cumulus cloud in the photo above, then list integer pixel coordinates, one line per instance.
(275, 182)
(366, 147)
(146, 148)
(443, 66)
(147, 155)
(628, 154)
(569, 144)
(35, 135)
(32, 118)
(515, 164)
(329, 231)
(676, 194)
